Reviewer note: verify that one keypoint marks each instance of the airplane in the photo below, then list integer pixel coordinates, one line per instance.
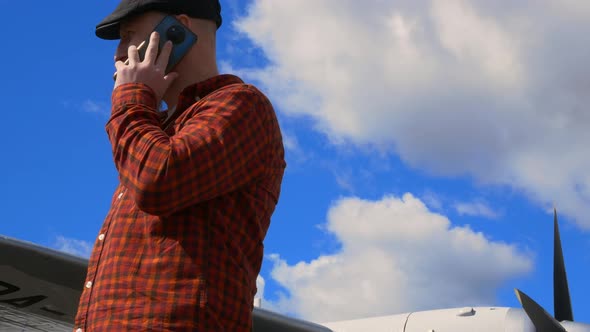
(40, 288)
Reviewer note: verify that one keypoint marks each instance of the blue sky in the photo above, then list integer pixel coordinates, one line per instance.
(426, 144)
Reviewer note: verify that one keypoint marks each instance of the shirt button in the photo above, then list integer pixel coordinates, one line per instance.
(79, 330)
(101, 237)
(89, 284)
(120, 195)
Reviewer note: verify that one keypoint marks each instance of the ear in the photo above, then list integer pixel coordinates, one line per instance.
(184, 19)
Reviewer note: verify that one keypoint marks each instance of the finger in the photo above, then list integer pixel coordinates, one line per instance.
(170, 77)
(162, 61)
(133, 55)
(152, 50)
(119, 65)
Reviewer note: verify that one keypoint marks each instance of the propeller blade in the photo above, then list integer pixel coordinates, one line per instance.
(541, 319)
(561, 295)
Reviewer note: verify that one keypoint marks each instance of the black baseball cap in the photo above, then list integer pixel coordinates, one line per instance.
(204, 9)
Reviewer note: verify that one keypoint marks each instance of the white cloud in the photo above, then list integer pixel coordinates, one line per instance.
(90, 106)
(476, 209)
(291, 143)
(495, 89)
(294, 152)
(396, 256)
(344, 180)
(432, 200)
(73, 246)
(259, 287)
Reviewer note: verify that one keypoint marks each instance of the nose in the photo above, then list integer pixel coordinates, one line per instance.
(121, 52)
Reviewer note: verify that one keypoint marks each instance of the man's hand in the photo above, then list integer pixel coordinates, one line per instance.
(151, 71)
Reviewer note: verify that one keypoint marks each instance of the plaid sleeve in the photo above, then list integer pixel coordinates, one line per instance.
(219, 148)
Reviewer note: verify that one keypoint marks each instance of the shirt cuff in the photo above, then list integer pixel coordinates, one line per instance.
(133, 94)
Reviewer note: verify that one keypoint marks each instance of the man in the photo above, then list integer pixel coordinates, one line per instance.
(182, 244)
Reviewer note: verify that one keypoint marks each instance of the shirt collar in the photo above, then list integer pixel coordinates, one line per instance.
(199, 90)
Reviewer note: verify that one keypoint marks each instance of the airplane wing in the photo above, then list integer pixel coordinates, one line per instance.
(40, 289)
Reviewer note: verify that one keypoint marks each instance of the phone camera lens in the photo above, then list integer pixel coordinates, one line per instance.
(175, 34)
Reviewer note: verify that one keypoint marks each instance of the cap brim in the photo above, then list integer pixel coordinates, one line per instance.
(108, 31)
(109, 27)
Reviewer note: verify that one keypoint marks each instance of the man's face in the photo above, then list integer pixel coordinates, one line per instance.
(135, 30)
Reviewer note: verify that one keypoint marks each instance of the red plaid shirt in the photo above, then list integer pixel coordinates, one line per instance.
(182, 244)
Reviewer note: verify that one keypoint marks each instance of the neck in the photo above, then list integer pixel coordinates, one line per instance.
(187, 78)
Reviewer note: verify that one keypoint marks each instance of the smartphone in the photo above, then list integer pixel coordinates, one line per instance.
(182, 39)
